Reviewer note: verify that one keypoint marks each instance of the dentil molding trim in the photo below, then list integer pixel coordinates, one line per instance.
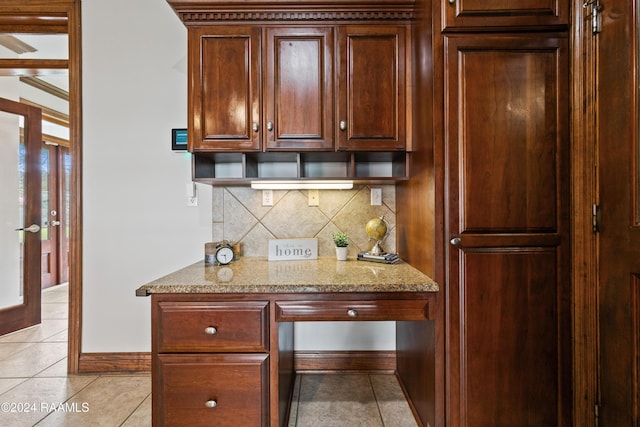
(197, 17)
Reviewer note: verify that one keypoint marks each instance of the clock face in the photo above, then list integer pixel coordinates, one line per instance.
(224, 255)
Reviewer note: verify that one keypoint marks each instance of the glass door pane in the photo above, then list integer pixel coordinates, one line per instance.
(47, 234)
(12, 210)
(65, 205)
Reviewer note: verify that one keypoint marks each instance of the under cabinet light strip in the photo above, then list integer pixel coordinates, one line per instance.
(301, 185)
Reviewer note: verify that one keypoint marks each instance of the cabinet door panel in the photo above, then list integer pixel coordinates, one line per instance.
(372, 98)
(508, 121)
(299, 85)
(505, 13)
(224, 97)
(507, 185)
(509, 355)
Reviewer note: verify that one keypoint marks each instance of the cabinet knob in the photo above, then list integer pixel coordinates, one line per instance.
(456, 241)
(211, 403)
(352, 313)
(343, 125)
(210, 330)
(269, 126)
(255, 127)
(452, 1)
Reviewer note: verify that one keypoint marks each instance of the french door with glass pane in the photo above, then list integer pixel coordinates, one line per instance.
(20, 215)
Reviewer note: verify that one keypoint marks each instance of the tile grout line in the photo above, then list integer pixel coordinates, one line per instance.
(68, 399)
(135, 409)
(375, 396)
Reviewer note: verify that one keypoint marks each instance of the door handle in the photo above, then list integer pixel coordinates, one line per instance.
(33, 228)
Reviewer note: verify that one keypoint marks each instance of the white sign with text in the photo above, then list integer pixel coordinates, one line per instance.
(292, 249)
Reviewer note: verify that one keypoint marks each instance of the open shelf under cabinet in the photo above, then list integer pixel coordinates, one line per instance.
(242, 168)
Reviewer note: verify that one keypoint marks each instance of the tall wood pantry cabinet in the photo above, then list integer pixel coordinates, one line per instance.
(504, 144)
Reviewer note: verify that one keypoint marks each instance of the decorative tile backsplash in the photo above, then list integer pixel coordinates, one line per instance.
(238, 216)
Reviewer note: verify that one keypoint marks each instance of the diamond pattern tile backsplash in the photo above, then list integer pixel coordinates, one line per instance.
(238, 216)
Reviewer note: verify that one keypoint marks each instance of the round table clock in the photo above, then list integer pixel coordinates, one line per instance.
(224, 253)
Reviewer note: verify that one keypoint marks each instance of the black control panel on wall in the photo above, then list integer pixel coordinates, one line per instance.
(178, 139)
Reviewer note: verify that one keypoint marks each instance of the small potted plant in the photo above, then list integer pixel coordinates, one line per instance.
(341, 241)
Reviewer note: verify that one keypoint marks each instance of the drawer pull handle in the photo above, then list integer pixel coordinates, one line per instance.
(210, 330)
(352, 313)
(211, 403)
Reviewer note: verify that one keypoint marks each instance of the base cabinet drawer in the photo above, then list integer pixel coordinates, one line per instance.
(226, 326)
(290, 311)
(212, 390)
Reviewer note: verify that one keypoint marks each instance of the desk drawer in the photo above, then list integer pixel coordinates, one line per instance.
(212, 390)
(289, 311)
(212, 326)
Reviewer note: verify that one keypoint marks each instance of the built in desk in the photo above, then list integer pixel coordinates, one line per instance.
(222, 336)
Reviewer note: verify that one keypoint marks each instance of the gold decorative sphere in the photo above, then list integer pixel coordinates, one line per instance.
(376, 228)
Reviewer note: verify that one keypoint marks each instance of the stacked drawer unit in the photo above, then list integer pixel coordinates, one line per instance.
(211, 363)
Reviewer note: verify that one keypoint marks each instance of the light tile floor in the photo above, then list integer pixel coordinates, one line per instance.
(349, 400)
(35, 389)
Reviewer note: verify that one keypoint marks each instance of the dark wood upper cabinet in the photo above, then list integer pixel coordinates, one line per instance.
(371, 88)
(322, 86)
(299, 104)
(274, 88)
(224, 89)
(254, 88)
(515, 15)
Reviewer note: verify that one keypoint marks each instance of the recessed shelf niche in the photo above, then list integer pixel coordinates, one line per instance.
(242, 168)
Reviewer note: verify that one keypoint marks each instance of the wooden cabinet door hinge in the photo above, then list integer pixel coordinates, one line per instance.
(595, 218)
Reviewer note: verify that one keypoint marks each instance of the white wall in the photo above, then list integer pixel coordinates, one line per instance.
(136, 223)
(137, 226)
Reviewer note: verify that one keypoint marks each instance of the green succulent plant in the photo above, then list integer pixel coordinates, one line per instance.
(340, 239)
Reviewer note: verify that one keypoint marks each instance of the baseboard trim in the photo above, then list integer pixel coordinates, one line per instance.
(304, 361)
(330, 361)
(114, 362)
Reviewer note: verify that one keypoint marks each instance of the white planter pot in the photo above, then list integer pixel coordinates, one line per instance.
(341, 253)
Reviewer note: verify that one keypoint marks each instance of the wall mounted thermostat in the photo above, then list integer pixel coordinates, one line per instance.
(178, 139)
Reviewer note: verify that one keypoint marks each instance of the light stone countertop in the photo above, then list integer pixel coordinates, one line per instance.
(326, 274)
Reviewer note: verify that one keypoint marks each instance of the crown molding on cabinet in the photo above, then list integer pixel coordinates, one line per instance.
(195, 12)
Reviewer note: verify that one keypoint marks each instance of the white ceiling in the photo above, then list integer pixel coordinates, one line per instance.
(47, 46)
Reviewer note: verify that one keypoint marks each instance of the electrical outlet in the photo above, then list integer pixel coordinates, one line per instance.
(376, 196)
(192, 194)
(267, 197)
(314, 198)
